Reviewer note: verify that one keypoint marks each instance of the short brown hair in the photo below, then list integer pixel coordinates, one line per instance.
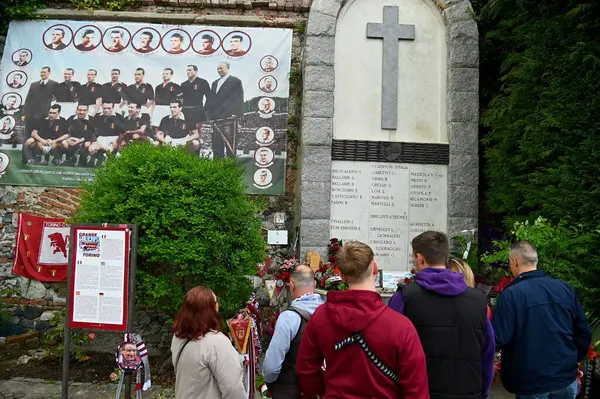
(198, 314)
(353, 260)
(434, 247)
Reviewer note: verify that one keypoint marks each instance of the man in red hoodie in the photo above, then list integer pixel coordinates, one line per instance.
(370, 350)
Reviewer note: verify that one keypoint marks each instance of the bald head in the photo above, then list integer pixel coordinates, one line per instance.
(302, 281)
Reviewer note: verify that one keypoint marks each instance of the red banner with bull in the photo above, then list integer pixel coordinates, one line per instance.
(42, 248)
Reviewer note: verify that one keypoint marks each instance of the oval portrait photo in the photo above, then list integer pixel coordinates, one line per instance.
(116, 39)
(268, 84)
(269, 63)
(58, 37)
(16, 79)
(176, 41)
(206, 42)
(236, 43)
(146, 40)
(4, 161)
(87, 38)
(22, 57)
(128, 357)
(263, 177)
(7, 125)
(265, 135)
(11, 103)
(266, 106)
(264, 157)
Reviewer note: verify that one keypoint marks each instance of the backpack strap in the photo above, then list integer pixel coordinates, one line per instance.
(302, 313)
(179, 354)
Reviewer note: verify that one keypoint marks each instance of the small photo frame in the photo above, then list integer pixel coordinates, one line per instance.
(128, 357)
(263, 178)
(267, 84)
(236, 43)
(11, 103)
(22, 57)
(87, 38)
(116, 39)
(146, 40)
(206, 42)
(7, 126)
(264, 157)
(176, 41)
(57, 37)
(4, 162)
(265, 135)
(16, 80)
(269, 63)
(266, 107)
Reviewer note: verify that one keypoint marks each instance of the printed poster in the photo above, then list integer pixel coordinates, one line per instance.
(100, 277)
(72, 92)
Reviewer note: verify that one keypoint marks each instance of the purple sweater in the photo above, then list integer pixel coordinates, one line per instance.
(448, 283)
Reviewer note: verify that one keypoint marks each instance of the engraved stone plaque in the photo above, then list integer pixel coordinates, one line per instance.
(385, 205)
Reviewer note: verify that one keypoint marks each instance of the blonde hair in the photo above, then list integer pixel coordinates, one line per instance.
(353, 259)
(460, 266)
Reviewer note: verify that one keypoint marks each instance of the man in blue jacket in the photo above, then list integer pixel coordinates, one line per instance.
(542, 330)
(279, 366)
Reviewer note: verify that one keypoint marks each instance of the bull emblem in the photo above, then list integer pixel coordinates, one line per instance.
(59, 243)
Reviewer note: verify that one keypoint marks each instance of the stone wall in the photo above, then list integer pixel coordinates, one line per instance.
(32, 304)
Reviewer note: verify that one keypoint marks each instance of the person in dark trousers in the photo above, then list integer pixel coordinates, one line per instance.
(370, 350)
(542, 330)
(451, 319)
(279, 366)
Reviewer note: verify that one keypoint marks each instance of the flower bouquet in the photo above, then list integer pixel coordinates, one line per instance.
(328, 275)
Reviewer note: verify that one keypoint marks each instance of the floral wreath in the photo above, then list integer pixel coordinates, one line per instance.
(282, 276)
(328, 275)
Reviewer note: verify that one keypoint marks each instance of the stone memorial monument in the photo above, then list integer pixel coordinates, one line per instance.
(389, 124)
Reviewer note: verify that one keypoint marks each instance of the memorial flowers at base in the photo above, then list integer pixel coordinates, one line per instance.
(328, 274)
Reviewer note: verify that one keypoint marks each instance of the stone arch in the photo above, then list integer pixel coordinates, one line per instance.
(462, 119)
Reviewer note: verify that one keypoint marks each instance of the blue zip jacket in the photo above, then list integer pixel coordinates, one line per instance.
(542, 330)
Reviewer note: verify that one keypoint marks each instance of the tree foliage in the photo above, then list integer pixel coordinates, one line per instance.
(540, 79)
(17, 9)
(196, 225)
(542, 147)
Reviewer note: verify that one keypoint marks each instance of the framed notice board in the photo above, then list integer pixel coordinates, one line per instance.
(99, 277)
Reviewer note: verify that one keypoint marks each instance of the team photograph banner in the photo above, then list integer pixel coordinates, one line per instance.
(74, 92)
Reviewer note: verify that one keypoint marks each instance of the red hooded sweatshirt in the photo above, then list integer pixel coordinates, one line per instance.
(349, 372)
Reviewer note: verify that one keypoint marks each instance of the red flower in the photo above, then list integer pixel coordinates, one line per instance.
(332, 259)
(335, 248)
(406, 280)
(336, 271)
(592, 354)
(413, 271)
(323, 281)
(334, 240)
(323, 268)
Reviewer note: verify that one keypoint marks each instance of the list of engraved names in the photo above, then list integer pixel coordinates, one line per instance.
(386, 205)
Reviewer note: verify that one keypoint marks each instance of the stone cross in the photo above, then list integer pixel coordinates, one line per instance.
(390, 31)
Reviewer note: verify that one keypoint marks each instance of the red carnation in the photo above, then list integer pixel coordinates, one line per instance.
(323, 281)
(335, 248)
(334, 240)
(413, 271)
(592, 354)
(332, 259)
(336, 271)
(406, 280)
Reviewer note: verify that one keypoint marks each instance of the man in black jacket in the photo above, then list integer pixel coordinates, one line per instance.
(227, 101)
(451, 320)
(542, 330)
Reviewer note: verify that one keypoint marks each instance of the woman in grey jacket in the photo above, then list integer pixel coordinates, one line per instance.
(206, 364)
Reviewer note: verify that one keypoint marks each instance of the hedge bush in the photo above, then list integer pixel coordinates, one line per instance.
(196, 225)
